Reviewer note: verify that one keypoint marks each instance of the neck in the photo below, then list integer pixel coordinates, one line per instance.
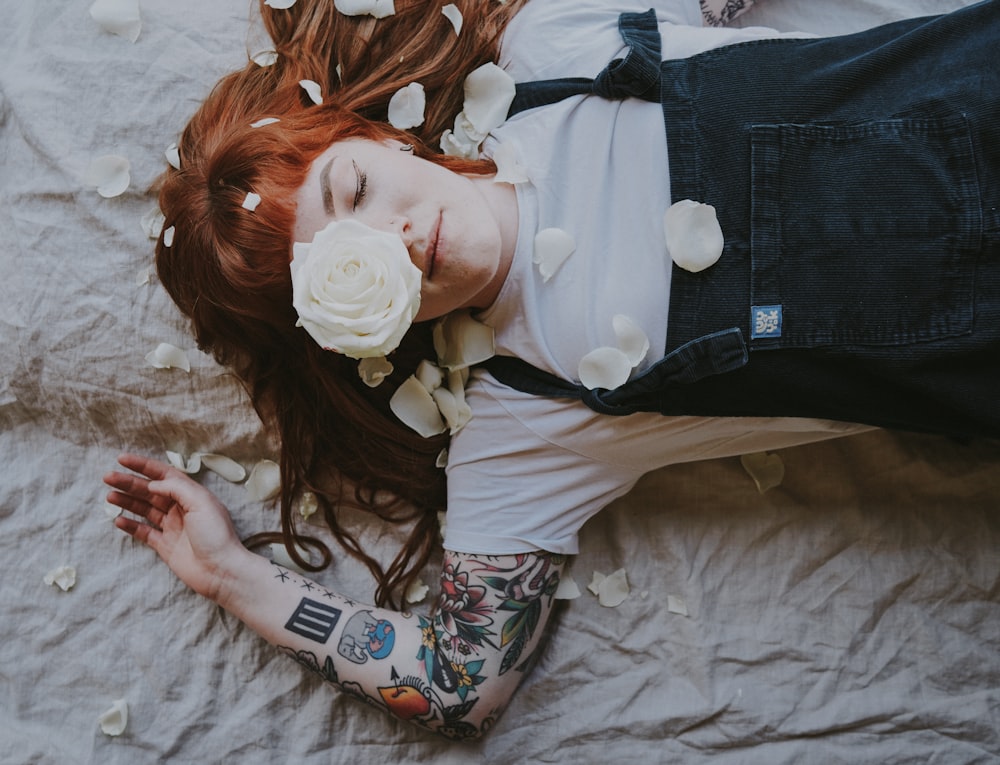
(502, 201)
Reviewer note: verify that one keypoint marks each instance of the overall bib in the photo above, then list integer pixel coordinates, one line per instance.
(857, 183)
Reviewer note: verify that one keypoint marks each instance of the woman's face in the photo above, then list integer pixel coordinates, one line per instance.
(448, 222)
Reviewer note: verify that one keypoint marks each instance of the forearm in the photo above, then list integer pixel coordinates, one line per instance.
(453, 673)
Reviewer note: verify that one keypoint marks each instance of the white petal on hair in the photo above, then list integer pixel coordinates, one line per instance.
(308, 504)
(460, 341)
(374, 369)
(173, 156)
(694, 236)
(313, 89)
(167, 356)
(552, 247)
(264, 121)
(264, 481)
(415, 408)
(489, 91)
(508, 162)
(168, 236)
(280, 5)
(442, 459)
(114, 719)
(377, 8)
(152, 223)
(265, 57)
(767, 470)
(63, 577)
(604, 367)
(454, 15)
(120, 17)
(406, 107)
(416, 592)
(632, 341)
(228, 468)
(429, 375)
(109, 174)
(251, 201)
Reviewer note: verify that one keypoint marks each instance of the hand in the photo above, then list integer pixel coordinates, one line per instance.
(182, 521)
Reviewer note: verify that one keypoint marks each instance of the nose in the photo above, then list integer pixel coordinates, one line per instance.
(403, 227)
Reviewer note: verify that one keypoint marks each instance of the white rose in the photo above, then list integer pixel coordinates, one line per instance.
(355, 289)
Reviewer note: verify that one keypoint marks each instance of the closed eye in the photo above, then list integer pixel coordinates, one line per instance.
(361, 187)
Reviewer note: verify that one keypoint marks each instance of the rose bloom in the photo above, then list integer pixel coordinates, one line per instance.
(355, 289)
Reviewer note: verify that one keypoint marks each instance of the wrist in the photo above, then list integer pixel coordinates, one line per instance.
(233, 578)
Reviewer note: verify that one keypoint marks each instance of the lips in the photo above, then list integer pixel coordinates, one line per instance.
(431, 255)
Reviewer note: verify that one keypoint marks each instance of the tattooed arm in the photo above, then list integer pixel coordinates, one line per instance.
(452, 673)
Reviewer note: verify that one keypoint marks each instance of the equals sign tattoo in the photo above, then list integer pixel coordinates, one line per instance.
(313, 620)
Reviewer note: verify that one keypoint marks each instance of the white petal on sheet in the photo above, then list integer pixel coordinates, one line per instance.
(143, 277)
(406, 107)
(595, 582)
(265, 481)
(377, 8)
(110, 174)
(189, 466)
(228, 468)
(264, 121)
(552, 247)
(313, 90)
(63, 577)
(508, 162)
(415, 408)
(265, 57)
(173, 155)
(454, 15)
(114, 720)
(460, 341)
(568, 589)
(251, 201)
(613, 589)
(416, 592)
(430, 375)
(632, 341)
(694, 236)
(112, 511)
(489, 92)
(280, 5)
(152, 223)
(767, 470)
(168, 236)
(167, 356)
(120, 17)
(374, 369)
(280, 555)
(677, 605)
(308, 505)
(604, 367)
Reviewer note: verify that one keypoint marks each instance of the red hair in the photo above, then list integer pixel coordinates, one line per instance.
(228, 268)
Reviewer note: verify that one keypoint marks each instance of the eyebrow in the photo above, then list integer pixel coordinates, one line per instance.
(324, 187)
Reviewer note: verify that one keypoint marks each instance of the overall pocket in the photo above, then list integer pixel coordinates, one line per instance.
(864, 234)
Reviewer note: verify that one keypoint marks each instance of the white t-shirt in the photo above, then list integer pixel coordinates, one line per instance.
(528, 471)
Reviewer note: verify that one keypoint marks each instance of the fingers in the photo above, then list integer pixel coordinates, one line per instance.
(152, 469)
(141, 531)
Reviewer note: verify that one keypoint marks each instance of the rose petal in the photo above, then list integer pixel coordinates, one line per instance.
(632, 341)
(416, 592)
(114, 720)
(567, 589)
(308, 504)
(460, 341)
(676, 605)
(228, 468)
(281, 556)
(456, 143)
(442, 459)
(152, 223)
(167, 356)
(374, 369)
(552, 247)
(604, 367)
(264, 121)
(109, 174)
(377, 8)
(120, 17)
(168, 236)
(508, 162)
(489, 92)
(613, 589)
(251, 201)
(429, 375)
(415, 408)
(64, 577)
(142, 277)
(767, 470)
(406, 107)
(189, 466)
(313, 90)
(264, 481)
(595, 582)
(454, 15)
(280, 5)
(173, 155)
(265, 58)
(694, 236)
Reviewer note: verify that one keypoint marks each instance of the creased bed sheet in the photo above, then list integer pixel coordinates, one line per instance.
(852, 614)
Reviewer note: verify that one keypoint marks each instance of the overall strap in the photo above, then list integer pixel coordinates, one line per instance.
(635, 76)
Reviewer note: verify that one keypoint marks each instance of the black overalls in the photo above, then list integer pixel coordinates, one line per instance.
(857, 183)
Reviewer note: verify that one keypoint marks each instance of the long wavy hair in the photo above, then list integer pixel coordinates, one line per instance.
(227, 268)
